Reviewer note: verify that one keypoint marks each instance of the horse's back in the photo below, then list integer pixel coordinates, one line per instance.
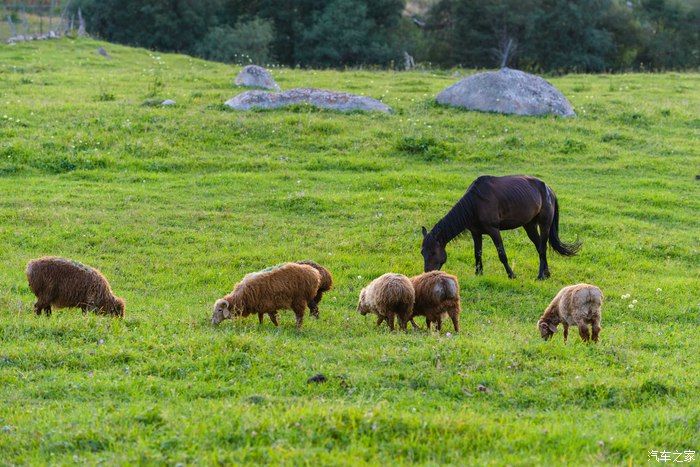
(509, 201)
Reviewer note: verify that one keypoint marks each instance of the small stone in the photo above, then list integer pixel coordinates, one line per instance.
(482, 388)
(167, 102)
(254, 76)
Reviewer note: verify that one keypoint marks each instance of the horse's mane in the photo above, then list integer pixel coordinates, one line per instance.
(459, 217)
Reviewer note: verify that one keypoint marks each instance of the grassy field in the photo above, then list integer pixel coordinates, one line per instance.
(176, 204)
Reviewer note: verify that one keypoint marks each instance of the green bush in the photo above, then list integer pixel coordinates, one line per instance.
(247, 42)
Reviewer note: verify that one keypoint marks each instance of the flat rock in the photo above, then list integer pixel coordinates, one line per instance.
(320, 98)
(254, 76)
(509, 92)
(167, 102)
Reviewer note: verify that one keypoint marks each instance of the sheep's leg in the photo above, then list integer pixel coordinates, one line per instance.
(495, 235)
(438, 324)
(318, 297)
(427, 323)
(595, 327)
(313, 307)
(299, 309)
(380, 320)
(260, 317)
(566, 330)
(38, 307)
(47, 310)
(455, 320)
(390, 319)
(583, 331)
(478, 242)
(273, 318)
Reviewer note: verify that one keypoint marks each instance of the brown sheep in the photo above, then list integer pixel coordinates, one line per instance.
(437, 295)
(575, 305)
(288, 286)
(64, 283)
(388, 296)
(326, 284)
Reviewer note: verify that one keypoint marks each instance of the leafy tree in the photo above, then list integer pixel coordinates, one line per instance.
(157, 24)
(247, 42)
(344, 33)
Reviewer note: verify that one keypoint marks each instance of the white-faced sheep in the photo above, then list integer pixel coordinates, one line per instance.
(288, 286)
(575, 305)
(65, 283)
(437, 296)
(389, 296)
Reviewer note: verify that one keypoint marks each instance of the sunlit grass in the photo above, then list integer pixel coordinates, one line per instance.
(176, 204)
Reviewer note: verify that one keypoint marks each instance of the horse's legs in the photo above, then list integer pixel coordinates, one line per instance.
(495, 235)
(566, 330)
(544, 238)
(478, 267)
(531, 229)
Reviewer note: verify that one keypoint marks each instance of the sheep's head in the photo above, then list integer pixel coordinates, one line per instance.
(222, 311)
(118, 307)
(362, 303)
(547, 330)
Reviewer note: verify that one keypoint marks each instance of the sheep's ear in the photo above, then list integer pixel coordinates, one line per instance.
(424, 230)
(552, 327)
(225, 308)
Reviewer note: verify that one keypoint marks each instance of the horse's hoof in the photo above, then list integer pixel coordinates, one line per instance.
(542, 277)
(512, 276)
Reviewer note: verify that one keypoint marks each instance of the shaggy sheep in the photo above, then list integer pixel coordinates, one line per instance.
(575, 305)
(290, 285)
(388, 296)
(65, 283)
(437, 296)
(326, 284)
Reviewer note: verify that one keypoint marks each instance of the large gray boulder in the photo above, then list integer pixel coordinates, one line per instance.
(320, 98)
(507, 91)
(254, 76)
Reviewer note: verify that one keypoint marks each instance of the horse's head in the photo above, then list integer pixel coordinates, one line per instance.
(434, 254)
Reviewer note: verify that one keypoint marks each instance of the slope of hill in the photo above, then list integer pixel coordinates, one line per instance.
(176, 204)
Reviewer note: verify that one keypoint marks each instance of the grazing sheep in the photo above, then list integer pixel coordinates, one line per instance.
(290, 285)
(326, 284)
(575, 305)
(437, 296)
(388, 296)
(65, 283)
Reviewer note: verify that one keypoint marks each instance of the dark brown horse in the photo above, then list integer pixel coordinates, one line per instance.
(492, 204)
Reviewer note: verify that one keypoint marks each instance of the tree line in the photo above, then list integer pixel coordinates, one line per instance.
(554, 36)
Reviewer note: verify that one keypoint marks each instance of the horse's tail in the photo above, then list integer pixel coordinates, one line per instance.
(565, 249)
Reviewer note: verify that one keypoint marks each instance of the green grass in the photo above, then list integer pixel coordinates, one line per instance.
(176, 204)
